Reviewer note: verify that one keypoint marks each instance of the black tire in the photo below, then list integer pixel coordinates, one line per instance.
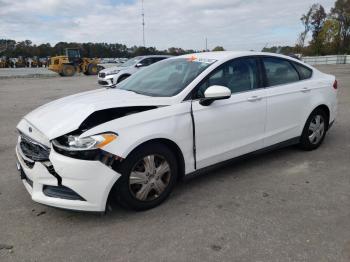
(122, 78)
(92, 69)
(68, 70)
(123, 191)
(305, 142)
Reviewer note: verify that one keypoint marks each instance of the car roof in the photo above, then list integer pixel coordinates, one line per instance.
(227, 55)
(146, 56)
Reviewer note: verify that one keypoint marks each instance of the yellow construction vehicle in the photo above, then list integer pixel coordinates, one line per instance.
(20, 62)
(33, 62)
(71, 62)
(3, 62)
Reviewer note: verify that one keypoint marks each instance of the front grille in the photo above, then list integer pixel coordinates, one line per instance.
(34, 150)
(104, 83)
(102, 75)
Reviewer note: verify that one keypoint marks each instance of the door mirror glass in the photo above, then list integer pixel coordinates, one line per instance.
(213, 93)
(139, 65)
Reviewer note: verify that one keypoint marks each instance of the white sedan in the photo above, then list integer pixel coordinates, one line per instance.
(112, 75)
(131, 143)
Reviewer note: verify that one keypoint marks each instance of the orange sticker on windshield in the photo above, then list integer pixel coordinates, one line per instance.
(192, 58)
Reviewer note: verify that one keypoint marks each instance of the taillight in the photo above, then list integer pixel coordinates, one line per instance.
(335, 84)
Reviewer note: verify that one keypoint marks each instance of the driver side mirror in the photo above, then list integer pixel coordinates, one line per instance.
(213, 93)
(139, 65)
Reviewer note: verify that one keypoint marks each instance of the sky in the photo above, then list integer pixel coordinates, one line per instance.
(233, 24)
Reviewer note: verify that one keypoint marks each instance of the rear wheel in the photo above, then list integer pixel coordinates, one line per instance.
(148, 177)
(92, 69)
(68, 70)
(314, 131)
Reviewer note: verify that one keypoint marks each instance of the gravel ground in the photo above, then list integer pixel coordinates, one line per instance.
(287, 205)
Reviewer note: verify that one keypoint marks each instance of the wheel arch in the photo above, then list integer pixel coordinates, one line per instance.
(172, 146)
(325, 109)
(164, 141)
(123, 75)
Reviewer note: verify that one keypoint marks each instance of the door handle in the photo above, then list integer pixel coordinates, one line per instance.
(254, 98)
(305, 90)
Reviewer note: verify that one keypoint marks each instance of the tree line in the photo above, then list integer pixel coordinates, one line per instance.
(11, 48)
(329, 32)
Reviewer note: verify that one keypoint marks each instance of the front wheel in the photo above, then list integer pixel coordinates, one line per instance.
(148, 176)
(314, 131)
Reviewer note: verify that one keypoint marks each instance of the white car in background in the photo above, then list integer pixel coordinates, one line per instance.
(172, 119)
(113, 75)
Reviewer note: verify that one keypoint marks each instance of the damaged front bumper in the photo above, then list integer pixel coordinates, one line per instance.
(67, 182)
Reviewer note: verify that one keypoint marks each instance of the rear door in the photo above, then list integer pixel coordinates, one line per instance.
(235, 126)
(288, 96)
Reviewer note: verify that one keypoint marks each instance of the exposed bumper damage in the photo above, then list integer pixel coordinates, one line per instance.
(66, 182)
(77, 180)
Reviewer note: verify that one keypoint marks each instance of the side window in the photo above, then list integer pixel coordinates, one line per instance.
(157, 59)
(279, 71)
(304, 72)
(146, 61)
(238, 75)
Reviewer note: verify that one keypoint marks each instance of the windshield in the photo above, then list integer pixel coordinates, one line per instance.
(166, 78)
(132, 61)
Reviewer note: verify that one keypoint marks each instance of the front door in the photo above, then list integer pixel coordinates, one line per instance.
(235, 126)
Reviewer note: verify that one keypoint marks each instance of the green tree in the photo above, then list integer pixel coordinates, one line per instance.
(306, 21)
(218, 48)
(318, 18)
(286, 50)
(329, 36)
(341, 12)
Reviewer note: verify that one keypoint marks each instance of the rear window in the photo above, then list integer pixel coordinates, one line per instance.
(279, 71)
(305, 73)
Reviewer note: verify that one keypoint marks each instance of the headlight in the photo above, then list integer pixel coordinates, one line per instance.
(75, 143)
(113, 72)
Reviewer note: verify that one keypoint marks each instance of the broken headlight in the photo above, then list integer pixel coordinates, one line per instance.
(77, 143)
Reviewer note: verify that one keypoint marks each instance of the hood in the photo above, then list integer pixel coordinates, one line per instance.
(109, 69)
(108, 65)
(66, 114)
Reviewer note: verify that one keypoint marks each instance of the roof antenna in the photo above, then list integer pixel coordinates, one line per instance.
(143, 25)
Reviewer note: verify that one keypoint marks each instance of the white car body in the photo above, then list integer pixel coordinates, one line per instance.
(113, 74)
(244, 123)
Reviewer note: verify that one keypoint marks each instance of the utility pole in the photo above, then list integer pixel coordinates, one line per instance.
(143, 25)
(206, 44)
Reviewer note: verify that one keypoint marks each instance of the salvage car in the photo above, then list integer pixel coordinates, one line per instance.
(132, 143)
(113, 75)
